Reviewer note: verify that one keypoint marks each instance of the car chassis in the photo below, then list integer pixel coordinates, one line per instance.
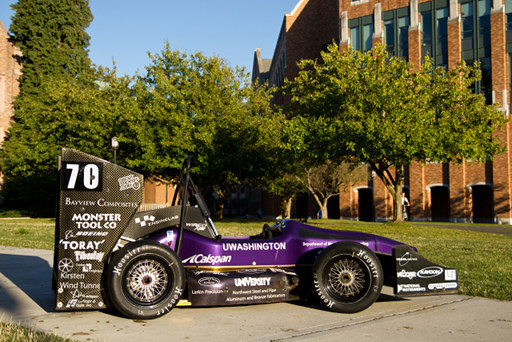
(144, 263)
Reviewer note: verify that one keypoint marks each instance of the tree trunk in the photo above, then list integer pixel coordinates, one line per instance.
(324, 209)
(288, 211)
(394, 185)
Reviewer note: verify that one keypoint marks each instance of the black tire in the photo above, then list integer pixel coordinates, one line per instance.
(144, 280)
(347, 277)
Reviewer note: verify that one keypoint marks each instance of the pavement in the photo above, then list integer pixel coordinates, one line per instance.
(26, 298)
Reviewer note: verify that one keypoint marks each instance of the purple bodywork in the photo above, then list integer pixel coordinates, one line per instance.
(297, 245)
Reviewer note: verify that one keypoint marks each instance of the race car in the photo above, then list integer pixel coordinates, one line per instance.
(108, 253)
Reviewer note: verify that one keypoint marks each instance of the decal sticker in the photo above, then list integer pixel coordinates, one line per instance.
(207, 259)
(129, 182)
(82, 176)
(254, 246)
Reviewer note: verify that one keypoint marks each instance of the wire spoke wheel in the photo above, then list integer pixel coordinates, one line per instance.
(346, 278)
(144, 279)
(147, 280)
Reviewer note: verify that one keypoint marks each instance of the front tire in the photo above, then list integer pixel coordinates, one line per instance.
(347, 277)
(144, 280)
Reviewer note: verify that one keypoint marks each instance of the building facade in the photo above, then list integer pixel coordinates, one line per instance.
(448, 31)
(10, 72)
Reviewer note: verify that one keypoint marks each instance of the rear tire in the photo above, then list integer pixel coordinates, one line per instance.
(144, 280)
(347, 277)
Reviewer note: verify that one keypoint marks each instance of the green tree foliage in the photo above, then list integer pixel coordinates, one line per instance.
(198, 105)
(59, 103)
(52, 38)
(373, 109)
(72, 113)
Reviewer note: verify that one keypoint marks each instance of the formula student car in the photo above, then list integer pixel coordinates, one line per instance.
(108, 253)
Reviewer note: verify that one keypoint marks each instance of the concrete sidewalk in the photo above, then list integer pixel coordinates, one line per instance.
(26, 298)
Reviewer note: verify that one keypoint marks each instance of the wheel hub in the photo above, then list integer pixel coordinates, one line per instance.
(346, 278)
(147, 280)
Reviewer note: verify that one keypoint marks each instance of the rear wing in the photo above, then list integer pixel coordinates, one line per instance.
(98, 211)
(97, 200)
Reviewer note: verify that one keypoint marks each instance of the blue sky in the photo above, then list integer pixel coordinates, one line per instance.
(125, 30)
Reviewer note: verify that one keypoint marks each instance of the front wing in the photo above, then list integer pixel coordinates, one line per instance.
(416, 275)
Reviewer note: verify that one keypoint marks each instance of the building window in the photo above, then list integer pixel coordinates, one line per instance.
(361, 33)
(476, 41)
(396, 32)
(434, 31)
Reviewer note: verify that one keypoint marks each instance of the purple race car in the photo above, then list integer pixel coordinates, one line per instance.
(107, 253)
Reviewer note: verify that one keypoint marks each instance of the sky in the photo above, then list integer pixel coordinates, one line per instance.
(124, 31)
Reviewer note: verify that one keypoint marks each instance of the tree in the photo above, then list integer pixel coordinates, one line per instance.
(59, 101)
(286, 186)
(52, 37)
(198, 105)
(373, 109)
(327, 180)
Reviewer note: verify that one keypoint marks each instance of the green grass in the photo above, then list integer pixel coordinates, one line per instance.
(483, 260)
(10, 332)
(27, 233)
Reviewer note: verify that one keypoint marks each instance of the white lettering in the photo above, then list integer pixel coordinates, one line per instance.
(254, 246)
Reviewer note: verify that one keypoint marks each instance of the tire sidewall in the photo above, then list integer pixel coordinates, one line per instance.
(365, 256)
(119, 266)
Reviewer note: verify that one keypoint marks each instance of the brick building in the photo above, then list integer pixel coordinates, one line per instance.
(446, 30)
(9, 74)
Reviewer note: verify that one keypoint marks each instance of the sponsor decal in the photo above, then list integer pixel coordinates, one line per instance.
(316, 244)
(101, 203)
(405, 259)
(129, 182)
(83, 245)
(82, 203)
(96, 221)
(197, 226)
(410, 288)
(65, 265)
(450, 275)
(430, 272)
(254, 246)
(72, 276)
(104, 203)
(145, 220)
(91, 233)
(373, 268)
(124, 260)
(442, 286)
(207, 259)
(75, 286)
(406, 274)
(149, 220)
(250, 281)
(87, 268)
(81, 255)
(209, 281)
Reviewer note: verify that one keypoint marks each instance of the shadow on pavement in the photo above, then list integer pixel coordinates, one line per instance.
(32, 275)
